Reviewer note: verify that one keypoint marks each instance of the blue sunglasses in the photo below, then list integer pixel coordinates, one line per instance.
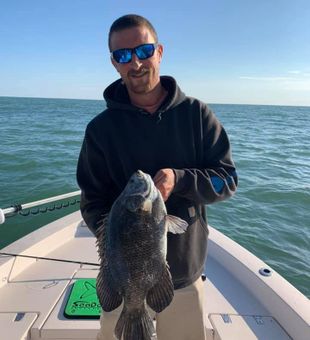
(124, 55)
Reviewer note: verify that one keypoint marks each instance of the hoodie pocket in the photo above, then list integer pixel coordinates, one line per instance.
(188, 211)
(201, 221)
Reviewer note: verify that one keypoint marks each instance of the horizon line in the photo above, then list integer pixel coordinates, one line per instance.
(208, 103)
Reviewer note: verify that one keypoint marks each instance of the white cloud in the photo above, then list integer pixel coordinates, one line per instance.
(293, 75)
(267, 78)
(300, 85)
(292, 88)
(270, 89)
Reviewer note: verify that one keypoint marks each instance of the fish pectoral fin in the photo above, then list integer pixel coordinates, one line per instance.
(109, 298)
(176, 225)
(160, 296)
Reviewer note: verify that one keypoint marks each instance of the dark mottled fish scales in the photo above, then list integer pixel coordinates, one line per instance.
(132, 242)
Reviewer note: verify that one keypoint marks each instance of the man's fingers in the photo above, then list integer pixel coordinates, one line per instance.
(164, 182)
(160, 176)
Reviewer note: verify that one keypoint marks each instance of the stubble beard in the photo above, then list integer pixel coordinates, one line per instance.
(142, 85)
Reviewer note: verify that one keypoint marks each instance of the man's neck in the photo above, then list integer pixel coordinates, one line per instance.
(150, 101)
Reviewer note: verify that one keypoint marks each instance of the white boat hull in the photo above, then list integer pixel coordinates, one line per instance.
(240, 302)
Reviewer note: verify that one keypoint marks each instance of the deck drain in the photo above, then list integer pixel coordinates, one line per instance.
(19, 317)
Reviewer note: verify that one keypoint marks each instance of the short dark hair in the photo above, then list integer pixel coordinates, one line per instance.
(129, 21)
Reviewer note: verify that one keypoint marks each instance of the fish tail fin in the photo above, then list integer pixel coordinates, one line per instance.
(135, 325)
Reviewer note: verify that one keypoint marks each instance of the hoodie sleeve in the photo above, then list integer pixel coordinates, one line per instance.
(93, 181)
(217, 179)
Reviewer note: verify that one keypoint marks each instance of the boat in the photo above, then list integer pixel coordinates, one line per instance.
(41, 272)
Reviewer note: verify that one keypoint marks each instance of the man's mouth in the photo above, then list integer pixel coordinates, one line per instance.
(138, 74)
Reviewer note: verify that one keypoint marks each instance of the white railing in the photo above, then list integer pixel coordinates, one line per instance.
(20, 207)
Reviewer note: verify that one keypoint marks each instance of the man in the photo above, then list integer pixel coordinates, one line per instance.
(150, 124)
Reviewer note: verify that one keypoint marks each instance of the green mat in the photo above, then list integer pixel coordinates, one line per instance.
(83, 302)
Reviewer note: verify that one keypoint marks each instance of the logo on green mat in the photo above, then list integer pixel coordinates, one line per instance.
(83, 301)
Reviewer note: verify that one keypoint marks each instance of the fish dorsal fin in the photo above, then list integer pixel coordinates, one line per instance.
(176, 225)
(102, 224)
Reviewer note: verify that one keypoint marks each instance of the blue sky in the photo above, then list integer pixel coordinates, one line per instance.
(220, 51)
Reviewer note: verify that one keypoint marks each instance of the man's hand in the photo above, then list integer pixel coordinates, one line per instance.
(164, 181)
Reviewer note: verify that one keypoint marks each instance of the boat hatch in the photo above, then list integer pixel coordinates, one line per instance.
(17, 325)
(246, 327)
(76, 314)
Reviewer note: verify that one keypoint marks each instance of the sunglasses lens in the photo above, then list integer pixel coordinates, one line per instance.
(145, 51)
(122, 56)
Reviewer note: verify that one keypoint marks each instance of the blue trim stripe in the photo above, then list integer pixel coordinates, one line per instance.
(218, 183)
(232, 177)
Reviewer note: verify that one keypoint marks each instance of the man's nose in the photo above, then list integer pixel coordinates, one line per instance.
(135, 61)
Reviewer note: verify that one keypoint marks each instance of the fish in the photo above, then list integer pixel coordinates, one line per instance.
(132, 247)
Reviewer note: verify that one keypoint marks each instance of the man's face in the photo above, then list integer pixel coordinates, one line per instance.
(139, 76)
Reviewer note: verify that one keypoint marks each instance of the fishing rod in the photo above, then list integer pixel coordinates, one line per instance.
(49, 259)
(20, 207)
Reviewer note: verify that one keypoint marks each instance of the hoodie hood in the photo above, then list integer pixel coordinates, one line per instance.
(116, 95)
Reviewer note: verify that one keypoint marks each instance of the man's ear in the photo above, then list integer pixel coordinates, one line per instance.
(160, 51)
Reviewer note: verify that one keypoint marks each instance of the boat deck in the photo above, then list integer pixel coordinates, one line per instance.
(240, 303)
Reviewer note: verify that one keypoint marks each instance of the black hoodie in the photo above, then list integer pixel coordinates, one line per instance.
(183, 135)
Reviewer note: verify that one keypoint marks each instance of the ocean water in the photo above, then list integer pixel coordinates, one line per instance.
(269, 215)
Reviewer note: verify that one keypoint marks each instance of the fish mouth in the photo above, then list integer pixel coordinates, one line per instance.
(140, 174)
(141, 192)
(146, 193)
